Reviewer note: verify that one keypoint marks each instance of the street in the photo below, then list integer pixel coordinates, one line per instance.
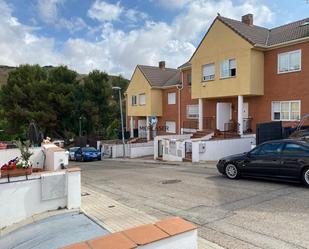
(245, 213)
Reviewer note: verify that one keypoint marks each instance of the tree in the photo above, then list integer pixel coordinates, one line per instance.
(39, 94)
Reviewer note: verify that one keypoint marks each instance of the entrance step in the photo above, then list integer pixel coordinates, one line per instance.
(202, 133)
(225, 134)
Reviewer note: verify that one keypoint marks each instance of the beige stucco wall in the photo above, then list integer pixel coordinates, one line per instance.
(222, 43)
(139, 85)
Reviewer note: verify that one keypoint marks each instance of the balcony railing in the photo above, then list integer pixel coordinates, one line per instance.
(208, 123)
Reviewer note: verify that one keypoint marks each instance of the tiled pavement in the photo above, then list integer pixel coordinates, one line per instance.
(116, 217)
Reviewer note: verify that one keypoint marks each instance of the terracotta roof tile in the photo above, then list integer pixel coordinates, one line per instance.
(82, 245)
(175, 225)
(158, 77)
(257, 35)
(112, 241)
(145, 234)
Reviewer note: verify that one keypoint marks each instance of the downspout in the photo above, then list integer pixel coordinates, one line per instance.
(179, 87)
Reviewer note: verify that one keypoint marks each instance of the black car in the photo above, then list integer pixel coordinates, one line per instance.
(285, 159)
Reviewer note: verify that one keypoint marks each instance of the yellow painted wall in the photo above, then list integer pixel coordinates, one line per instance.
(222, 43)
(139, 85)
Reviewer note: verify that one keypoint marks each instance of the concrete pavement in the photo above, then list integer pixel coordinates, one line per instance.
(245, 213)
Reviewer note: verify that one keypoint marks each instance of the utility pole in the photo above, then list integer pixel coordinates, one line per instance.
(121, 116)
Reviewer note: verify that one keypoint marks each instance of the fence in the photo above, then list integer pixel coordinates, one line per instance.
(131, 150)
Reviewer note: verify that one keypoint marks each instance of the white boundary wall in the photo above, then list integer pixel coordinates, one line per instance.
(23, 199)
(132, 150)
(187, 240)
(165, 138)
(37, 158)
(216, 149)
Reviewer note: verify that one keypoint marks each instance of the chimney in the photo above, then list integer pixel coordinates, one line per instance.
(247, 19)
(162, 64)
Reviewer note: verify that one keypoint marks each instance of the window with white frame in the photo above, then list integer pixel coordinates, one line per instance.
(208, 72)
(171, 98)
(286, 110)
(142, 99)
(170, 126)
(134, 100)
(192, 111)
(228, 68)
(289, 62)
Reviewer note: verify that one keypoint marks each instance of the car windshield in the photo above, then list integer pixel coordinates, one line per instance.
(74, 149)
(89, 149)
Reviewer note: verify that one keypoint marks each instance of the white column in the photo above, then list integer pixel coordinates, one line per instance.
(131, 127)
(200, 114)
(240, 114)
(148, 128)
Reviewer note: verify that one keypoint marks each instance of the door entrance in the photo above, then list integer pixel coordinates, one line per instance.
(142, 128)
(245, 115)
(224, 115)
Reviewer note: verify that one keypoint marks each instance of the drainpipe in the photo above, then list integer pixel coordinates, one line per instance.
(179, 88)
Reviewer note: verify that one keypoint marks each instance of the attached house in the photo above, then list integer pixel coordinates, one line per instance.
(240, 75)
(244, 74)
(159, 101)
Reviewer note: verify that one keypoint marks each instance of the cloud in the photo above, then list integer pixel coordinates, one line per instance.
(118, 50)
(48, 10)
(103, 11)
(172, 4)
(49, 13)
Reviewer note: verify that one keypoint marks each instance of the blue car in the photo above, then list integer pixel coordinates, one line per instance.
(87, 154)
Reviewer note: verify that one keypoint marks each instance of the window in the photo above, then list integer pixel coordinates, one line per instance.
(142, 99)
(171, 98)
(228, 68)
(289, 62)
(270, 148)
(189, 79)
(286, 110)
(134, 100)
(294, 149)
(192, 111)
(208, 72)
(170, 126)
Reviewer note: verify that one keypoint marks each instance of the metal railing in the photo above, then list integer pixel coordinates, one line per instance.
(208, 123)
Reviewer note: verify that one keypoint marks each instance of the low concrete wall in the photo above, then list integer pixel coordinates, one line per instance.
(21, 198)
(172, 233)
(37, 159)
(216, 149)
(132, 150)
(167, 137)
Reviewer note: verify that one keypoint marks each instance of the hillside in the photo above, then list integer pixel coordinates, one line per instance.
(4, 73)
(5, 70)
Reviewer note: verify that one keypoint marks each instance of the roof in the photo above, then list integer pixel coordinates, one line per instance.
(158, 77)
(257, 35)
(187, 64)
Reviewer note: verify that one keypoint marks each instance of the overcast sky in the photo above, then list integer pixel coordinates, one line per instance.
(114, 36)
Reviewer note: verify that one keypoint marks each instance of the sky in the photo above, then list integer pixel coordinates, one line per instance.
(115, 36)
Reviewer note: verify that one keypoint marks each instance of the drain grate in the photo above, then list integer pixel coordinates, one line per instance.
(171, 181)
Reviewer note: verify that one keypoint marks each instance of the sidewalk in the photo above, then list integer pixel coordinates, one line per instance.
(148, 160)
(116, 217)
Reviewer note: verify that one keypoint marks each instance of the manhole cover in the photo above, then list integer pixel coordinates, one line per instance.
(172, 181)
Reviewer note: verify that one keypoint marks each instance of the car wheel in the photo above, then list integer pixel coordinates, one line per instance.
(305, 177)
(231, 171)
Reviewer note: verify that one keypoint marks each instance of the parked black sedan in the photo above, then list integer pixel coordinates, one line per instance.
(284, 159)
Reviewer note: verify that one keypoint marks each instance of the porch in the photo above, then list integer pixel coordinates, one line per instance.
(223, 117)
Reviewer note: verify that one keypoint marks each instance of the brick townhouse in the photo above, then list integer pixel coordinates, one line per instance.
(237, 66)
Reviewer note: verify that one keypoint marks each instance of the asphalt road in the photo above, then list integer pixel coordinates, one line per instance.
(245, 213)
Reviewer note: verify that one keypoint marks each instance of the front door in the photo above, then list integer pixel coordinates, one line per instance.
(224, 115)
(245, 116)
(142, 128)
